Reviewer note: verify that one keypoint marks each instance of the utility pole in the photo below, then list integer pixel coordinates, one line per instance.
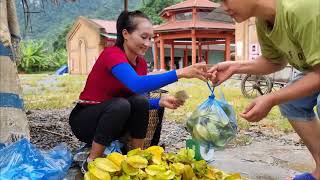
(126, 5)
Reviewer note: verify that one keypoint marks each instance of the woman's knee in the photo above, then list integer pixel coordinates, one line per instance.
(120, 105)
(139, 101)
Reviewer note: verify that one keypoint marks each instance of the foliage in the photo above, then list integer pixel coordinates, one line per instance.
(52, 19)
(52, 23)
(35, 58)
(153, 7)
(60, 42)
(56, 59)
(32, 56)
(44, 46)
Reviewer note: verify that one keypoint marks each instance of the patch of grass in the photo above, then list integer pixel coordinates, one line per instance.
(62, 84)
(30, 80)
(33, 83)
(47, 101)
(54, 95)
(43, 88)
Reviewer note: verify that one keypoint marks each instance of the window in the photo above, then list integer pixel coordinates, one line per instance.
(184, 16)
(204, 16)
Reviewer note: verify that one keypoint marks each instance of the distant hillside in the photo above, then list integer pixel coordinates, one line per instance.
(52, 20)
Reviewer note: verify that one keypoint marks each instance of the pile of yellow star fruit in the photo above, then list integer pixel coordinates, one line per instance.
(154, 164)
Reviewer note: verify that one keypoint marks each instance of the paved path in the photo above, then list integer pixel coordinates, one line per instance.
(265, 160)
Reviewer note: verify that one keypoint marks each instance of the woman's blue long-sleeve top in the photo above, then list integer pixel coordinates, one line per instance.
(143, 84)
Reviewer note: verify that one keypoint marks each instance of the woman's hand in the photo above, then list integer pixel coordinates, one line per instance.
(170, 102)
(198, 70)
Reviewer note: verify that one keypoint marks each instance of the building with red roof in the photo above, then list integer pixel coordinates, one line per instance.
(196, 24)
(86, 39)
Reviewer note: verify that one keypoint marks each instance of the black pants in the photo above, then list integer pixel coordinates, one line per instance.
(109, 120)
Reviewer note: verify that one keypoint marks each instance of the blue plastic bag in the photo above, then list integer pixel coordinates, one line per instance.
(213, 124)
(2, 146)
(228, 109)
(22, 160)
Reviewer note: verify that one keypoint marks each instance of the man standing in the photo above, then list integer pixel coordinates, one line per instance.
(288, 32)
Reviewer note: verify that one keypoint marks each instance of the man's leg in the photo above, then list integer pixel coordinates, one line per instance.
(309, 132)
(300, 114)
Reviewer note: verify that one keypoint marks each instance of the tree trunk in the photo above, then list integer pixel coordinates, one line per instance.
(13, 121)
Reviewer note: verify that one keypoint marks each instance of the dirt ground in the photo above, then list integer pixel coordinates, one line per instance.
(270, 155)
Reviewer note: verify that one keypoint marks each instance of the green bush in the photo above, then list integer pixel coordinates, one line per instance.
(35, 58)
(56, 59)
(32, 56)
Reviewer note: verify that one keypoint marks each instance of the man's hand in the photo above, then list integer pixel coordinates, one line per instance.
(222, 71)
(259, 108)
(198, 70)
(170, 102)
(259, 66)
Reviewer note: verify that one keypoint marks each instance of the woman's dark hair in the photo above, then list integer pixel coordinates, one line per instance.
(126, 21)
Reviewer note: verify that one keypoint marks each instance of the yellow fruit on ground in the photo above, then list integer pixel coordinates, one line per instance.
(137, 161)
(154, 169)
(177, 168)
(157, 159)
(124, 177)
(142, 174)
(98, 173)
(106, 165)
(89, 176)
(154, 164)
(133, 152)
(235, 176)
(165, 175)
(155, 150)
(188, 173)
(128, 169)
(116, 158)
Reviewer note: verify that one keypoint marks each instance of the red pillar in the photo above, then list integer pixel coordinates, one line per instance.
(155, 57)
(162, 63)
(200, 53)
(227, 49)
(194, 47)
(172, 56)
(207, 56)
(185, 57)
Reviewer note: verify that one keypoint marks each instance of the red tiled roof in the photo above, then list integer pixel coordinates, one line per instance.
(109, 26)
(183, 25)
(192, 3)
